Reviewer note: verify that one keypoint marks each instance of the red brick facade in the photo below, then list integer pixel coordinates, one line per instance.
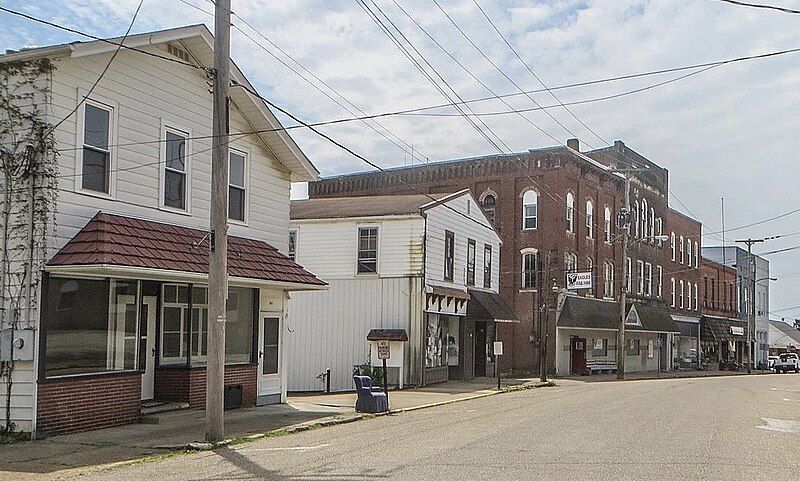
(718, 289)
(188, 385)
(74, 404)
(683, 273)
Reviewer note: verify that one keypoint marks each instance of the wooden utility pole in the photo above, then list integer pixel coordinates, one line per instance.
(751, 319)
(624, 283)
(544, 294)
(217, 258)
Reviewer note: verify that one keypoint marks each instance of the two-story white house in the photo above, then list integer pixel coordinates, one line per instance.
(418, 267)
(104, 302)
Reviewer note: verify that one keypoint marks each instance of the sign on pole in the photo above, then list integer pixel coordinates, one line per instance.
(579, 280)
(498, 351)
(498, 348)
(384, 351)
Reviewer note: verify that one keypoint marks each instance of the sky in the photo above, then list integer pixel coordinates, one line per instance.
(724, 133)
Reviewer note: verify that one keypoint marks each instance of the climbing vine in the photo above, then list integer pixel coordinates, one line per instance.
(28, 193)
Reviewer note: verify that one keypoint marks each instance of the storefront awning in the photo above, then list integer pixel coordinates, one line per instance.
(721, 329)
(450, 292)
(589, 313)
(110, 243)
(489, 305)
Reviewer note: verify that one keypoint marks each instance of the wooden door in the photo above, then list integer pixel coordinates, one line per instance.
(578, 351)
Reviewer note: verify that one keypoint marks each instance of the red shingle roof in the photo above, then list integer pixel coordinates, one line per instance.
(123, 241)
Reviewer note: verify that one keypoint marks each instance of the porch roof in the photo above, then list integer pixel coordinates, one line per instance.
(589, 313)
(115, 240)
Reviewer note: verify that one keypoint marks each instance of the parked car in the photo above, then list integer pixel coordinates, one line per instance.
(771, 361)
(787, 362)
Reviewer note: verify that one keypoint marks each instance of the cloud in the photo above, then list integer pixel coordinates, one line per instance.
(728, 132)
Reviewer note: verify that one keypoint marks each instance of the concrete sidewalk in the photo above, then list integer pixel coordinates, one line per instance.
(169, 432)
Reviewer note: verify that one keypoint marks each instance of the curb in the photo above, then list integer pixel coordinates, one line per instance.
(335, 421)
(588, 379)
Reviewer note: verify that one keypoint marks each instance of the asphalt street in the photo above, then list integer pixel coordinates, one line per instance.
(731, 428)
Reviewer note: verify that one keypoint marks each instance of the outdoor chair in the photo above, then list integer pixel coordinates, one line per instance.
(369, 401)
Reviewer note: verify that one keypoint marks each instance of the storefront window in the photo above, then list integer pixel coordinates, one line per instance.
(452, 337)
(90, 326)
(599, 347)
(433, 350)
(239, 328)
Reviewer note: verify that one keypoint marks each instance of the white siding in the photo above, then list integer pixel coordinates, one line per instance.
(329, 248)
(328, 329)
(145, 94)
(454, 217)
(22, 396)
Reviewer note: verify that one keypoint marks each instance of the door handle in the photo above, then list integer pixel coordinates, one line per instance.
(153, 351)
(260, 353)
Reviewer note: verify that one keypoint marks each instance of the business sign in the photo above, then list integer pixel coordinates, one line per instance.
(737, 330)
(579, 280)
(498, 348)
(384, 352)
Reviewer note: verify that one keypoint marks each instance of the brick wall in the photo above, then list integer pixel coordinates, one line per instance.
(687, 232)
(77, 404)
(189, 385)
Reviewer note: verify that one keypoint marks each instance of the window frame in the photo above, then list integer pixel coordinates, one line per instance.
(490, 211)
(359, 228)
(683, 292)
(672, 244)
(648, 279)
(590, 219)
(113, 109)
(525, 206)
(683, 254)
(526, 273)
(175, 128)
(660, 271)
(607, 224)
(246, 188)
(640, 272)
(487, 266)
(449, 255)
(570, 212)
(471, 255)
(673, 299)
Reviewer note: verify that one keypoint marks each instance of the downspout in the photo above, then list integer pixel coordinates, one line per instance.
(424, 318)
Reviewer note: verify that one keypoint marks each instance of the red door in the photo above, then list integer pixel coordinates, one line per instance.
(578, 350)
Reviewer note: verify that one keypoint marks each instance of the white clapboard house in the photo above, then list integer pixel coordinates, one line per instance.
(416, 267)
(113, 312)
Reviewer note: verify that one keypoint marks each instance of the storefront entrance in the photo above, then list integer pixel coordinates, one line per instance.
(480, 349)
(578, 355)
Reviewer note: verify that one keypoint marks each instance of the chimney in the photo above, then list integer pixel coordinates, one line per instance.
(574, 144)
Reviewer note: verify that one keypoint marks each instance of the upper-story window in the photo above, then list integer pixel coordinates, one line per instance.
(367, 249)
(487, 266)
(292, 244)
(570, 212)
(607, 225)
(637, 219)
(648, 279)
(660, 230)
(696, 302)
(489, 207)
(689, 252)
(529, 269)
(696, 254)
(672, 282)
(589, 219)
(628, 276)
(682, 293)
(470, 262)
(608, 278)
(640, 270)
(96, 162)
(652, 225)
(570, 262)
(449, 254)
(530, 210)
(237, 190)
(672, 244)
(681, 247)
(660, 280)
(175, 170)
(643, 216)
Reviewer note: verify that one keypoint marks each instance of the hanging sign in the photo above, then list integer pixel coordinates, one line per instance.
(737, 330)
(579, 280)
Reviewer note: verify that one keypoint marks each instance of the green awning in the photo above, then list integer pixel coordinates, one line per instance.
(590, 313)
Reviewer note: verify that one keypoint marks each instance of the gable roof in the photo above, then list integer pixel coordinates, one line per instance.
(198, 40)
(115, 240)
(786, 334)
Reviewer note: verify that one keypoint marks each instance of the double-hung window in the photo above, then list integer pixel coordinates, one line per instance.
(607, 225)
(660, 281)
(648, 279)
(237, 190)
(673, 292)
(628, 276)
(470, 262)
(530, 210)
(681, 247)
(570, 212)
(449, 255)
(367, 249)
(292, 250)
(529, 270)
(609, 279)
(682, 293)
(640, 270)
(672, 245)
(589, 219)
(96, 162)
(175, 168)
(487, 266)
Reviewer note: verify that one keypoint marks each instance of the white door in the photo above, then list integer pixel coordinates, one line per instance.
(269, 377)
(149, 309)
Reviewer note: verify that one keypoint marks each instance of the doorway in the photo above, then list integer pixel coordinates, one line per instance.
(480, 349)
(147, 341)
(578, 354)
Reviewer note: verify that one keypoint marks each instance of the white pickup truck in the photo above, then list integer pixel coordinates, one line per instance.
(787, 362)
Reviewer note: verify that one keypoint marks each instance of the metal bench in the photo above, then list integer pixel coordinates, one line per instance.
(601, 365)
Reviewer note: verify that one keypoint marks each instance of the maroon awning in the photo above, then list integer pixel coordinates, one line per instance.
(116, 240)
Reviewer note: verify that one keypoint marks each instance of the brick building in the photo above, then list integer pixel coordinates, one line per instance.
(682, 290)
(723, 336)
(552, 207)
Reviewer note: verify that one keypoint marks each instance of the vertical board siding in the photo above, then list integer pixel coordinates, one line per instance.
(328, 329)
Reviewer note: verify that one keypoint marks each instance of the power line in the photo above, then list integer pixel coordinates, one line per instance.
(761, 5)
(102, 74)
(778, 251)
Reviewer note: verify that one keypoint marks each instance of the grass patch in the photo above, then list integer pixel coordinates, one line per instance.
(11, 437)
